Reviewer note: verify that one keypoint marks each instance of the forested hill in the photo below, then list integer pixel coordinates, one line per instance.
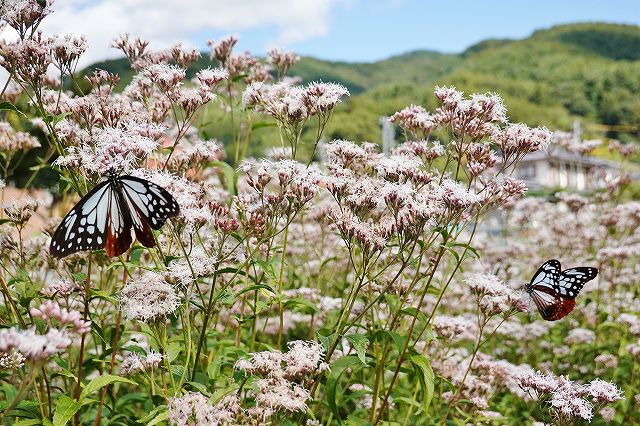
(589, 71)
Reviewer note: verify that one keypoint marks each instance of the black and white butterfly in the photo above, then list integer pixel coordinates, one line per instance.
(104, 217)
(554, 291)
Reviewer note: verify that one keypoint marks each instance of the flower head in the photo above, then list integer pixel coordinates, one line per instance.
(150, 298)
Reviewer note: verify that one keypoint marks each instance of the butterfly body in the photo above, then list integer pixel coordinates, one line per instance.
(554, 291)
(105, 216)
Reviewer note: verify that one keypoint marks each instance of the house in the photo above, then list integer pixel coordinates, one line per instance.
(559, 168)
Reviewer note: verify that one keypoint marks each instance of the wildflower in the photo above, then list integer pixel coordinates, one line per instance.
(608, 414)
(119, 148)
(136, 362)
(480, 158)
(449, 96)
(415, 119)
(11, 140)
(282, 60)
(191, 409)
(190, 99)
(280, 394)
(60, 287)
(402, 168)
(183, 56)
(370, 236)
(580, 336)
(602, 391)
(27, 60)
(493, 296)
(11, 360)
(222, 49)
(608, 360)
(516, 140)
(450, 328)
(32, 345)
(211, 77)
(133, 362)
(567, 398)
(20, 211)
(345, 153)
(455, 196)
(148, 299)
(322, 97)
(51, 310)
(24, 14)
(67, 49)
(167, 77)
(304, 359)
(186, 271)
(625, 149)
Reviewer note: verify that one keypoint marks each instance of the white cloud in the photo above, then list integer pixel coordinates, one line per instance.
(166, 21)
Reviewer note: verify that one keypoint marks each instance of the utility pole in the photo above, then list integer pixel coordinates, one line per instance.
(388, 135)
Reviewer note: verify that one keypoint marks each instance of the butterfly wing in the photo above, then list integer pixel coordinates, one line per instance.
(78, 230)
(547, 275)
(554, 292)
(150, 206)
(118, 225)
(550, 304)
(572, 280)
(95, 222)
(545, 292)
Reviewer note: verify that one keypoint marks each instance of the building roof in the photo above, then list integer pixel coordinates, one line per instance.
(562, 155)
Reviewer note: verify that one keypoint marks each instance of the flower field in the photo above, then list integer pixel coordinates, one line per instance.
(324, 282)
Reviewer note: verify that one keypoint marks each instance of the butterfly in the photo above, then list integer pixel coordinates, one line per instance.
(554, 291)
(104, 217)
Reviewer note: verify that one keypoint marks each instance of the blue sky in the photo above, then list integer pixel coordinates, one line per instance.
(370, 30)
(352, 30)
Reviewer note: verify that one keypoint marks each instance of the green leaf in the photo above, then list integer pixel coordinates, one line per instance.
(337, 368)
(173, 350)
(213, 369)
(352, 420)
(225, 297)
(309, 307)
(261, 125)
(360, 344)
(58, 118)
(159, 418)
(230, 177)
(66, 408)
(419, 315)
(8, 106)
(397, 338)
(101, 294)
(200, 388)
(423, 370)
(98, 331)
(325, 340)
(452, 251)
(221, 393)
(468, 247)
(256, 287)
(79, 277)
(28, 422)
(268, 269)
(152, 414)
(102, 381)
(177, 370)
